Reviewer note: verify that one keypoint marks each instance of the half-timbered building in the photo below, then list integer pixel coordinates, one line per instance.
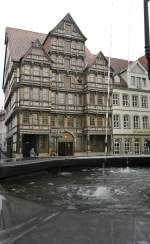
(58, 96)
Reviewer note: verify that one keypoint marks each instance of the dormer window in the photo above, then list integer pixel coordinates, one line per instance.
(143, 82)
(138, 82)
(132, 80)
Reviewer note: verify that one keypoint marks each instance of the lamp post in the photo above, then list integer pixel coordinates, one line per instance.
(147, 39)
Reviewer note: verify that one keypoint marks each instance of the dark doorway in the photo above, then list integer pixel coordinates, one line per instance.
(9, 147)
(29, 141)
(65, 148)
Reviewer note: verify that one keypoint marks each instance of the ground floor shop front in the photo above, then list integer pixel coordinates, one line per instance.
(63, 143)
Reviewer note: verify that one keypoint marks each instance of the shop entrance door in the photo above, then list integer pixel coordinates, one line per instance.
(65, 148)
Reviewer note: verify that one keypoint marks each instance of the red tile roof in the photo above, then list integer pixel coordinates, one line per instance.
(119, 64)
(20, 41)
(143, 61)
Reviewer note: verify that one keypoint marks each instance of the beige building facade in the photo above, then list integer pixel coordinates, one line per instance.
(131, 112)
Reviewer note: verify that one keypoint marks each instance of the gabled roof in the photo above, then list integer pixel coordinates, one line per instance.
(21, 40)
(36, 44)
(119, 65)
(90, 59)
(143, 61)
(67, 18)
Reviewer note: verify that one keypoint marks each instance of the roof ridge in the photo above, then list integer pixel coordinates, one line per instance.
(25, 30)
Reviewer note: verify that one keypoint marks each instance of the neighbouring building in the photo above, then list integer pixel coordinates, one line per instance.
(131, 111)
(56, 94)
(2, 131)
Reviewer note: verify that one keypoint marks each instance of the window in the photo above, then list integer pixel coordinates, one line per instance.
(36, 70)
(145, 122)
(138, 82)
(45, 119)
(61, 98)
(146, 147)
(26, 118)
(125, 100)
(61, 120)
(52, 120)
(137, 146)
(132, 80)
(115, 99)
(126, 121)
(116, 146)
(116, 121)
(67, 81)
(60, 60)
(70, 99)
(67, 63)
(127, 145)
(53, 57)
(78, 122)
(100, 121)
(143, 82)
(60, 42)
(45, 71)
(67, 46)
(45, 95)
(54, 41)
(73, 63)
(36, 94)
(144, 102)
(53, 76)
(60, 78)
(136, 122)
(79, 99)
(26, 93)
(26, 69)
(79, 62)
(92, 121)
(70, 121)
(99, 78)
(92, 98)
(100, 99)
(135, 101)
(73, 45)
(92, 78)
(53, 97)
(35, 119)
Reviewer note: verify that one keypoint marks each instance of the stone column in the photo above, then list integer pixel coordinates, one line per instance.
(88, 143)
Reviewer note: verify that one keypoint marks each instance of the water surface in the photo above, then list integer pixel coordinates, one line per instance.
(124, 191)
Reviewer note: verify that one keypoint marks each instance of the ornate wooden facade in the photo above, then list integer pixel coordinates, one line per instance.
(55, 100)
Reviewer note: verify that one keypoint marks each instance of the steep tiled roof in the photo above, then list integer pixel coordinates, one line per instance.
(20, 41)
(143, 61)
(89, 57)
(119, 64)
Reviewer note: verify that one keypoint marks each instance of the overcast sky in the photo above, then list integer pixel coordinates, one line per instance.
(101, 21)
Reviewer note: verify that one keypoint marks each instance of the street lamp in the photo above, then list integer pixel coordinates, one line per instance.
(147, 39)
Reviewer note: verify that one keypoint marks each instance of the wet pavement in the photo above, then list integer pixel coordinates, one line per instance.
(110, 206)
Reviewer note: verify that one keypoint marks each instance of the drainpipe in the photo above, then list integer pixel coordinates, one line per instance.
(147, 39)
